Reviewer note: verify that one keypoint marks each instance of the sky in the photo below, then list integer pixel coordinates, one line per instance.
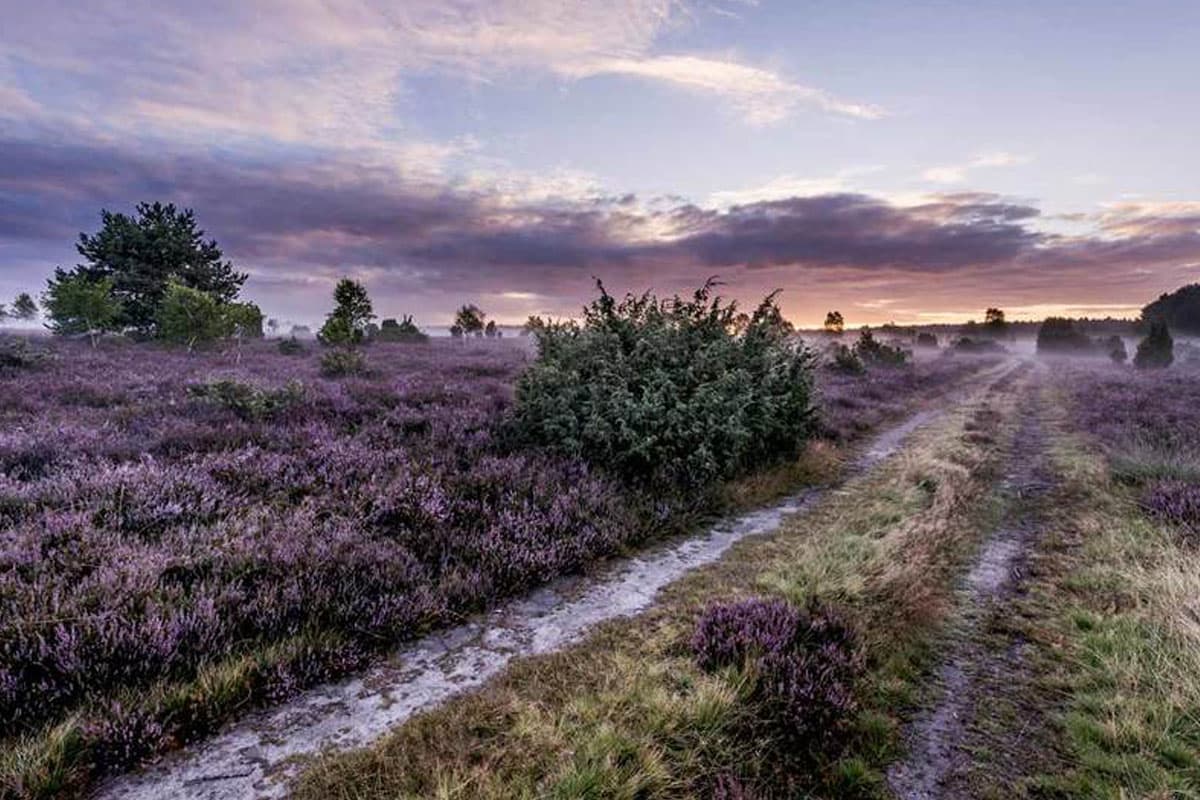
(898, 161)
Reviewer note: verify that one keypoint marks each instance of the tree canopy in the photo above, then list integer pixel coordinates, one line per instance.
(1179, 310)
(77, 304)
(144, 252)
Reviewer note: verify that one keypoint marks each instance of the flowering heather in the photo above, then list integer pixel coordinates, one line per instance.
(163, 514)
(851, 404)
(1175, 502)
(1149, 422)
(804, 666)
(149, 524)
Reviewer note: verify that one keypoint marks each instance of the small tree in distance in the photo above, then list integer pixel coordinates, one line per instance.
(994, 323)
(469, 319)
(1157, 350)
(351, 314)
(23, 307)
(76, 304)
(834, 323)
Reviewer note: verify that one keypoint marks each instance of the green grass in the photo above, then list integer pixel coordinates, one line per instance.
(1121, 603)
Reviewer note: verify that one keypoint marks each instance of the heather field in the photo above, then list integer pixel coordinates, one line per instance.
(187, 535)
(1007, 609)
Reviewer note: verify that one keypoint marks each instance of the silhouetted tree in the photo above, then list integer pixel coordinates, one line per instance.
(470, 319)
(834, 323)
(1180, 310)
(994, 323)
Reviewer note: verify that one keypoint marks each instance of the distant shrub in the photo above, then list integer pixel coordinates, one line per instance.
(1157, 350)
(968, 345)
(17, 353)
(404, 331)
(1059, 335)
(873, 352)
(925, 339)
(845, 360)
(677, 391)
(804, 666)
(1116, 350)
(1176, 502)
(246, 400)
(291, 346)
(340, 363)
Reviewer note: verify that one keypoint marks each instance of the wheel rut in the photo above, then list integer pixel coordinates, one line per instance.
(969, 730)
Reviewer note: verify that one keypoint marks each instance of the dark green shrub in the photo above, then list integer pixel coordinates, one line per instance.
(872, 352)
(404, 331)
(1116, 350)
(291, 346)
(17, 353)
(968, 345)
(677, 391)
(246, 400)
(1059, 335)
(1157, 350)
(845, 360)
(342, 362)
(926, 339)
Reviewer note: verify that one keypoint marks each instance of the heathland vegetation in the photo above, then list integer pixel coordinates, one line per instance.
(221, 521)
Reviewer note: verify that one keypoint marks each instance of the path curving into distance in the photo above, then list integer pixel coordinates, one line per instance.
(257, 755)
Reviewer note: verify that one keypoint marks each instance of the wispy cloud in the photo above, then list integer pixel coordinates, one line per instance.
(957, 173)
(763, 97)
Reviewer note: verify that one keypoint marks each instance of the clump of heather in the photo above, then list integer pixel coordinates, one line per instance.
(1175, 502)
(803, 665)
(118, 737)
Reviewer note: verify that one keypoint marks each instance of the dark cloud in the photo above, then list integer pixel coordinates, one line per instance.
(315, 215)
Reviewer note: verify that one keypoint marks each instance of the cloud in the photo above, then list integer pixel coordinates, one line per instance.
(312, 72)
(297, 225)
(763, 97)
(957, 173)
